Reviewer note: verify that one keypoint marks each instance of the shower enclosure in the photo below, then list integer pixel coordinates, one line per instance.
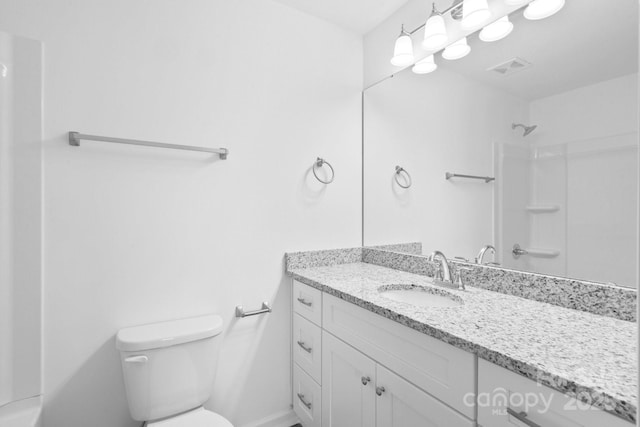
(20, 229)
(570, 205)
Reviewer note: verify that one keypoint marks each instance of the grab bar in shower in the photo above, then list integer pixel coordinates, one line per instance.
(450, 175)
(75, 137)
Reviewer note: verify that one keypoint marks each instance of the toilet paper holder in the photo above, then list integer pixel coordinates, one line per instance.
(264, 309)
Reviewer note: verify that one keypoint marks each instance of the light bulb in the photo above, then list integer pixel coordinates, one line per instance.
(474, 13)
(435, 31)
(540, 9)
(497, 30)
(425, 66)
(457, 50)
(403, 50)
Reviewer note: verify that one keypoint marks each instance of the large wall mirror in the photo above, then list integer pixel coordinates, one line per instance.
(550, 112)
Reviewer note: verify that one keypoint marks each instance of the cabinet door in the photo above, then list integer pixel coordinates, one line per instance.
(401, 404)
(348, 378)
(506, 398)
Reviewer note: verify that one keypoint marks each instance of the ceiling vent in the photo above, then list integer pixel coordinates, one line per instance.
(511, 66)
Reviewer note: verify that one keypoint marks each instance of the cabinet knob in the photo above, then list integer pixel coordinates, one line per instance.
(365, 380)
(380, 390)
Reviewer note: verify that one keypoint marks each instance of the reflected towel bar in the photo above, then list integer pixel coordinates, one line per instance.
(241, 313)
(75, 137)
(450, 175)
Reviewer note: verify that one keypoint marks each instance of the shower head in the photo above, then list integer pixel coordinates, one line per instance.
(527, 129)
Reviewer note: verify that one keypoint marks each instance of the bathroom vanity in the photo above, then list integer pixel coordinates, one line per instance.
(363, 356)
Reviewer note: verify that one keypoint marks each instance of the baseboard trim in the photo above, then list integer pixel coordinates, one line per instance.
(280, 419)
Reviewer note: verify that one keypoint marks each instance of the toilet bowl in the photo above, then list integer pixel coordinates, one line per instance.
(169, 369)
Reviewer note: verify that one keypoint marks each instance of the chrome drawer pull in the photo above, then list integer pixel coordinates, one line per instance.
(365, 380)
(522, 417)
(304, 347)
(380, 390)
(305, 302)
(304, 402)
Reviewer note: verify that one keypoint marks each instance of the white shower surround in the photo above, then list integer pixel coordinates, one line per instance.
(20, 230)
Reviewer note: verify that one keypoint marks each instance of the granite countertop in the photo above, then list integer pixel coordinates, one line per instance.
(578, 353)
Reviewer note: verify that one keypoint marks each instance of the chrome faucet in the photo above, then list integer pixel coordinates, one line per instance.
(483, 251)
(437, 256)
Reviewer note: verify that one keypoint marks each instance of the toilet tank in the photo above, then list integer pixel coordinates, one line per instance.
(169, 367)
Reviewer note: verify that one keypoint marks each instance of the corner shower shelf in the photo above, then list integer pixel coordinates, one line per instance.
(542, 208)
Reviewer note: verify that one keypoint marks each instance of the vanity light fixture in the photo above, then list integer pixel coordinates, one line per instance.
(425, 66)
(403, 50)
(497, 30)
(540, 9)
(435, 31)
(457, 50)
(474, 13)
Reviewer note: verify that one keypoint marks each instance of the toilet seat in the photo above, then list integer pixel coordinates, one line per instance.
(197, 418)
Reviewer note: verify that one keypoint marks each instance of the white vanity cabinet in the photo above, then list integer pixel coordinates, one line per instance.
(358, 392)
(506, 399)
(373, 371)
(355, 368)
(307, 354)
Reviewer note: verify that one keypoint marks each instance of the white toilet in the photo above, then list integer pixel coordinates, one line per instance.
(169, 369)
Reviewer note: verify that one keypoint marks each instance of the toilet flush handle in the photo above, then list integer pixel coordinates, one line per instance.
(136, 359)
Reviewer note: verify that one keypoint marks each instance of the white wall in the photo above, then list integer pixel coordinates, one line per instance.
(136, 235)
(433, 124)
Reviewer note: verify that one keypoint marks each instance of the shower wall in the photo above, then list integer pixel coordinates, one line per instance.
(586, 162)
(570, 188)
(20, 217)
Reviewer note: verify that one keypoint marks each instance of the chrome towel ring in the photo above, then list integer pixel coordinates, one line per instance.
(318, 164)
(399, 171)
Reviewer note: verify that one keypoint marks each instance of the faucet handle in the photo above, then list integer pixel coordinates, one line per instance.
(458, 280)
(438, 275)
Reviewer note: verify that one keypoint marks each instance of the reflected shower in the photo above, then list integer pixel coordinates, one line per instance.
(527, 129)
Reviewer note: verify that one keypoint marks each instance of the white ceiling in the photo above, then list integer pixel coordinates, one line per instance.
(586, 42)
(359, 16)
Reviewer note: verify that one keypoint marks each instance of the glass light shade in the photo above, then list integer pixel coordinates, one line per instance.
(403, 51)
(425, 66)
(474, 13)
(435, 33)
(497, 30)
(457, 50)
(540, 9)
(515, 2)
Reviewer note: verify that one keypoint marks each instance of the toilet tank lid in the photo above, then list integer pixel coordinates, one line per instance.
(167, 334)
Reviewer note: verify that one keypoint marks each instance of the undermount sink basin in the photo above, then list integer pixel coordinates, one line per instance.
(422, 296)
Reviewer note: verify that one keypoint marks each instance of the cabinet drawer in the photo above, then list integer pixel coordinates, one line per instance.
(307, 398)
(500, 389)
(307, 346)
(307, 302)
(434, 366)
